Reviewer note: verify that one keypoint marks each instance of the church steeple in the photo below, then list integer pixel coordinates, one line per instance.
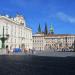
(51, 29)
(39, 29)
(46, 29)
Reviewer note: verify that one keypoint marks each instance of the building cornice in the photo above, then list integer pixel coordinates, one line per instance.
(9, 19)
(12, 21)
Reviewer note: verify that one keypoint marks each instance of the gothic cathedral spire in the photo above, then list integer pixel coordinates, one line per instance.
(46, 29)
(39, 29)
(51, 29)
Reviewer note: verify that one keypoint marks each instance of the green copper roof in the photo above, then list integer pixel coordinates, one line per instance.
(51, 28)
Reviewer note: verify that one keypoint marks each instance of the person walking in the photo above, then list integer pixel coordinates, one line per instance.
(7, 50)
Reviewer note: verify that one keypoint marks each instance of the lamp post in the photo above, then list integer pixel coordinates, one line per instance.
(66, 41)
(3, 38)
(74, 46)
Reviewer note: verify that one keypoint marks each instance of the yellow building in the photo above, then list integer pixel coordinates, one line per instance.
(52, 41)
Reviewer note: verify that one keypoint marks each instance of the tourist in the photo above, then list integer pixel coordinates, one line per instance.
(7, 50)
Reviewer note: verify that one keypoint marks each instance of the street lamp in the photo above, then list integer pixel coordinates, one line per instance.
(66, 41)
(3, 38)
(74, 46)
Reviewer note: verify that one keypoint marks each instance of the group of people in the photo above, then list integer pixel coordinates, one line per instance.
(23, 50)
(30, 51)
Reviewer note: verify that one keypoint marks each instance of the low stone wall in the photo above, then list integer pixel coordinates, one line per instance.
(3, 51)
(40, 53)
(55, 54)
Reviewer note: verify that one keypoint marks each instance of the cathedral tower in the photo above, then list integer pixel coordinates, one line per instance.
(51, 29)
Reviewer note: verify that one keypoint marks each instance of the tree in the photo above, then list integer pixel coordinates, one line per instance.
(46, 29)
(39, 29)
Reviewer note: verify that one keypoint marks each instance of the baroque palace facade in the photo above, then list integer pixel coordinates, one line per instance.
(51, 41)
(20, 36)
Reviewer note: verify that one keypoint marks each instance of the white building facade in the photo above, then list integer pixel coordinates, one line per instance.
(20, 36)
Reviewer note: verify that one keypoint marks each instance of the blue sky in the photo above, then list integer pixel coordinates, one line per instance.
(60, 13)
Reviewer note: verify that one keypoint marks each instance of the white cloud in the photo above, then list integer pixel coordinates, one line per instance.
(64, 17)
